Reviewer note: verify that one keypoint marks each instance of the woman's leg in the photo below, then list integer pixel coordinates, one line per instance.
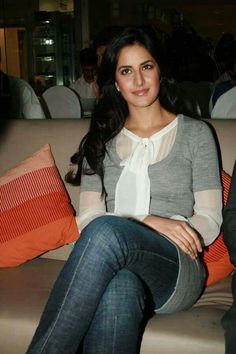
(107, 245)
(119, 319)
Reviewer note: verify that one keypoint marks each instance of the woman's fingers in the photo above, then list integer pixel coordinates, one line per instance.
(186, 238)
(183, 243)
(179, 232)
(194, 236)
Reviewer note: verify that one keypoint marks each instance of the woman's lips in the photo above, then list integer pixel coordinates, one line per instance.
(142, 92)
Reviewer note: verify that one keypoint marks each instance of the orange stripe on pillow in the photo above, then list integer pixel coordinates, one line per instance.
(33, 214)
(226, 181)
(40, 182)
(38, 241)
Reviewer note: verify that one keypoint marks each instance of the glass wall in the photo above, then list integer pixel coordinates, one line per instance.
(51, 50)
(37, 41)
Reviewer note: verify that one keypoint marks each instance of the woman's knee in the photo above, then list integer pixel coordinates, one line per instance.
(125, 292)
(105, 221)
(104, 229)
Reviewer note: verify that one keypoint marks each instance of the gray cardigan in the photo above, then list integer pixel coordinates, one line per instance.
(191, 166)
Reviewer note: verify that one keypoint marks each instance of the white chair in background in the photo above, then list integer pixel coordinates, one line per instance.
(225, 106)
(61, 102)
(24, 102)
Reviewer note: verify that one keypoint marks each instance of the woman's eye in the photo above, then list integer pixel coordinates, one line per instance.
(147, 67)
(125, 71)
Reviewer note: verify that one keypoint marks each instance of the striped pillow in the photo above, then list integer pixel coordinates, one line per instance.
(216, 256)
(36, 213)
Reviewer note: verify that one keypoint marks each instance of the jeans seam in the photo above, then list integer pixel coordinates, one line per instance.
(155, 254)
(62, 305)
(114, 335)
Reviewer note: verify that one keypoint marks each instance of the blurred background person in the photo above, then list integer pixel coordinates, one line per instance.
(102, 40)
(223, 99)
(223, 46)
(18, 99)
(5, 95)
(85, 86)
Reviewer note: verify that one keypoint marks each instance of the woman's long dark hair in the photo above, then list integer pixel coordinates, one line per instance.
(111, 109)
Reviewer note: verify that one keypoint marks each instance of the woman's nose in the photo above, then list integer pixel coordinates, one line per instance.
(139, 78)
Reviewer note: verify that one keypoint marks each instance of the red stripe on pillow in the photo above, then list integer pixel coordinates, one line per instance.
(216, 256)
(226, 181)
(33, 214)
(40, 182)
(217, 248)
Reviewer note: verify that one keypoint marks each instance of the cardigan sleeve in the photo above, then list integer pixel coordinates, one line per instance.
(207, 217)
(91, 206)
(91, 202)
(207, 189)
(205, 161)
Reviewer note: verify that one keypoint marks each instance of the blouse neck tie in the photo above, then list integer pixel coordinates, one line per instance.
(132, 195)
(133, 188)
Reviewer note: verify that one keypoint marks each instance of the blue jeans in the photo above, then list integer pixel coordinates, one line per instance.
(112, 253)
(120, 317)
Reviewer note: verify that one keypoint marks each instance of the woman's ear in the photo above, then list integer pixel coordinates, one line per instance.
(117, 87)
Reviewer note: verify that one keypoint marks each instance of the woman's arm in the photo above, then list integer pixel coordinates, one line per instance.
(205, 222)
(206, 186)
(91, 202)
(204, 226)
(207, 217)
(91, 206)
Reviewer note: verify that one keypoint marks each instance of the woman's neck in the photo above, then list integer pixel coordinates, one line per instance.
(146, 121)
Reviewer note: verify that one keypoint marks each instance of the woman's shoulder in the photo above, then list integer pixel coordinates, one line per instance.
(193, 124)
(197, 129)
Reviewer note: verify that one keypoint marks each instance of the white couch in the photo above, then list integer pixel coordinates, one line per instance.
(24, 289)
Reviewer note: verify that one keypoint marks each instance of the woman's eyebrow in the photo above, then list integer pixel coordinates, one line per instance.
(124, 67)
(147, 61)
(130, 66)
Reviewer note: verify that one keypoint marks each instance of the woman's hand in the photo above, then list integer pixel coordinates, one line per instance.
(180, 232)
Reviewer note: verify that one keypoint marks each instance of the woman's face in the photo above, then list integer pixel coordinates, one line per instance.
(137, 76)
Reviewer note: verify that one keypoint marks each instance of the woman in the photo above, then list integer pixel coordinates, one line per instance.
(151, 169)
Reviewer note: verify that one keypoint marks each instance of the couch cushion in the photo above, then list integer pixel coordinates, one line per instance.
(191, 332)
(197, 330)
(36, 213)
(24, 292)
